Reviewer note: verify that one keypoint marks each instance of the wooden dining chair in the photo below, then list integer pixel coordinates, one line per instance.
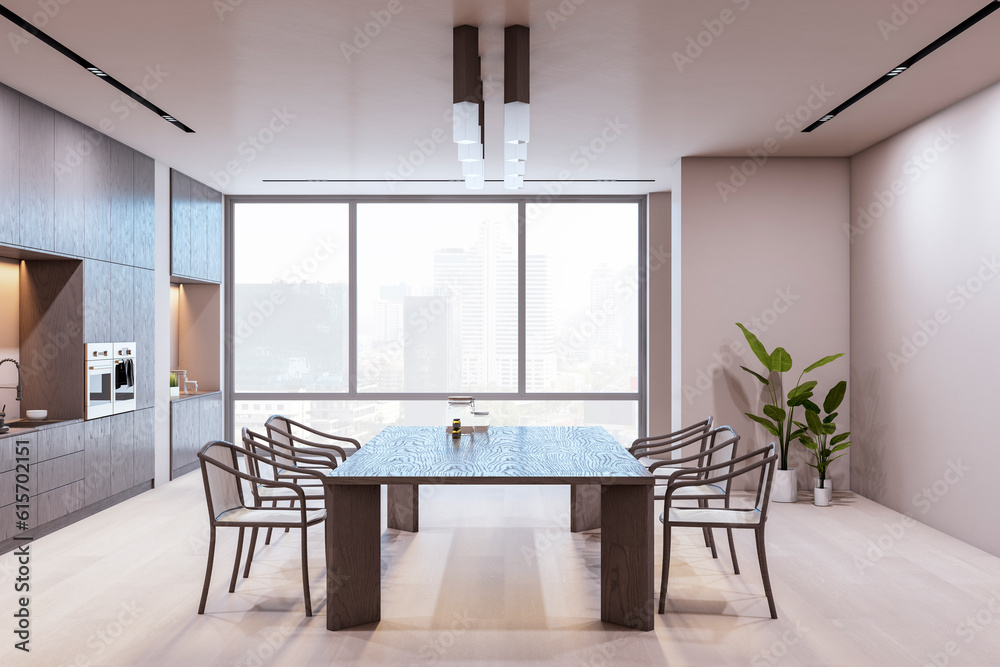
(655, 445)
(270, 453)
(227, 508)
(303, 437)
(760, 461)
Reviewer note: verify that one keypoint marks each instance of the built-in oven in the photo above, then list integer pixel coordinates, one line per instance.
(124, 380)
(100, 391)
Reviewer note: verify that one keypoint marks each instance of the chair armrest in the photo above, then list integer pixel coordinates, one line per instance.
(676, 483)
(318, 432)
(694, 457)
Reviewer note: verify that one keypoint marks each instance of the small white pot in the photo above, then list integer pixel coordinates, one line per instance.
(175, 391)
(785, 486)
(822, 497)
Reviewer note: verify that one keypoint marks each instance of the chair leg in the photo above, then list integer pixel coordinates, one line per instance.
(236, 565)
(208, 571)
(253, 545)
(267, 538)
(666, 568)
(759, 533)
(305, 571)
(732, 551)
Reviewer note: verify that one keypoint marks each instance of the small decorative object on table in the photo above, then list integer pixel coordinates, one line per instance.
(461, 407)
(456, 428)
(190, 387)
(480, 421)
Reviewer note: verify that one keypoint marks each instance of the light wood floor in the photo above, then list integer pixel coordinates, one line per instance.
(495, 577)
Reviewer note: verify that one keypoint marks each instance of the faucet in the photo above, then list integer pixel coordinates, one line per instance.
(18, 366)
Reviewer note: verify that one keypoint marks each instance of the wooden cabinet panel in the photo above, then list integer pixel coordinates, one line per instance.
(70, 186)
(59, 441)
(184, 432)
(10, 141)
(97, 199)
(199, 230)
(145, 337)
(96, 302)
(215, 241)
(8, 478)
(211, 420)
(143, 456)
(122, 188)
(122, 452)
(97, 460)
(59, 502)
(180, 224)
(37, 123)
(8, 520)
(144, 210)
(58, 472)
(122, 304)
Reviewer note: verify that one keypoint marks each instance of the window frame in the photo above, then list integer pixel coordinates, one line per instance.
(523, 202)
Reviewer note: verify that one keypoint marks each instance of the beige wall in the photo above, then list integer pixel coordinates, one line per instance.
(925, 320)
(773, 255)
(10, 336)
(658, 314)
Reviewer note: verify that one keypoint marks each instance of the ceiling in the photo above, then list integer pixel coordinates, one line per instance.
(603, 74)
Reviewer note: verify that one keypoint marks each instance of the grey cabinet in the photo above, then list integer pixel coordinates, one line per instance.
(215, 239)
(37, 137)
(144, 211)
(211, 419)
(70, 186)
(180, 224)
(96, 302)
(10, 140)
(199, 230)
(97, 212)
(143, 459)
(122, 452)
(185, 416)
(122, 305)
(122, 189)
(8, 476)
(97, 460)
(145, 336)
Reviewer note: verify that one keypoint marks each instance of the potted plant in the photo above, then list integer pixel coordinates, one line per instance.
(779, 412)
(817, 439)
(175, 389)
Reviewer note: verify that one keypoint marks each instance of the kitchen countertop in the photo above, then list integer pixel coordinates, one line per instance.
(16, 431)
(195, 395)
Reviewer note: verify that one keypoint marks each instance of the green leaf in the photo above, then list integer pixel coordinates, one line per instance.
(834, 398)
(830, 417)
(802, 389)
(840, 437)
(807, 443)
(824, 361)
(815, 425)
(756, 375)
(781, 361)
(841, 446)
(829, 429)
(809, 405)
(775, 413)
(771, 428)
(758, 348)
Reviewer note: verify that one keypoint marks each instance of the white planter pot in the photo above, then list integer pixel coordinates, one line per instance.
(822, 497)
(175, 391)
(785, 486)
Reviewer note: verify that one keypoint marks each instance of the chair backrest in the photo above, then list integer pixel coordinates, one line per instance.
(642, 445)
(764, 484)
(721, 444)
(278, 428)
(223, 491)
(262, 469)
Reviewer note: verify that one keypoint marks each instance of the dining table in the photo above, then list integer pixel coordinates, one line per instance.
(609, 490)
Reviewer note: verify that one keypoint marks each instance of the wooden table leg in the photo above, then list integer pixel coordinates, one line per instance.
(404, 507)
(353, 557)
(627, 555)
(584, 507)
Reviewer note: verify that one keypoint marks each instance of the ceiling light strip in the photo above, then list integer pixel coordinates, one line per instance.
(910, 62)
(90, 67)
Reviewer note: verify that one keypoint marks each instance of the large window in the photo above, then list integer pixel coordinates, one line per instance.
(353, 314)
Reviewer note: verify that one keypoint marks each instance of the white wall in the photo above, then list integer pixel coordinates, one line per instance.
(925, 320)
(162, 298)
(773, 255)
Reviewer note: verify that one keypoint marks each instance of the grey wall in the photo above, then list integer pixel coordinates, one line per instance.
(773, 255)
(925, 319)
(658, 314)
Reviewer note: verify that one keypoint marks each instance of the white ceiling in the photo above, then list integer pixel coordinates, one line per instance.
(593, 62)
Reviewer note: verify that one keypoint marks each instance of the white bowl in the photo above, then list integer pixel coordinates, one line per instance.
(37, 415)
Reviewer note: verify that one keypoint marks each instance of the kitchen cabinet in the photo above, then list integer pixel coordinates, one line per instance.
(122, 305)
(10, 124)
(37, 188)
(145, 337)
(70, 187)
(96, 302)
(97, 460)
(122, 452)
(180, 224)
(144, 210)
(122, 195)
(97, 199)
(143, 458)
(210, 423)
(194, 421)
(196, 228)
(215, 240)
(199, 230)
